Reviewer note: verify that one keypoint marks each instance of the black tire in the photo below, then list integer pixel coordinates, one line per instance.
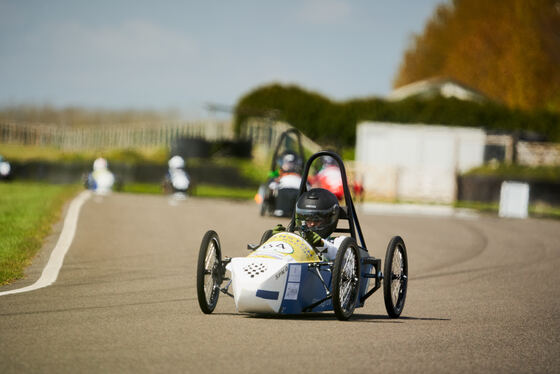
(265, 236)
(209, 272)
(346, 279)
(263, 205)
(395, 279)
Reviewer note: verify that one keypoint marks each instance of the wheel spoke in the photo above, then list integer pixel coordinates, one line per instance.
(348, 279)
(396, 276)
(395, 280)
(209, 272)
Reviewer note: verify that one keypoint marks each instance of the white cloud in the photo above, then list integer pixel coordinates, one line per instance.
(325, 12)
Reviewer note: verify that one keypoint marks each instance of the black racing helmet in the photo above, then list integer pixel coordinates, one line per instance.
(318, 209)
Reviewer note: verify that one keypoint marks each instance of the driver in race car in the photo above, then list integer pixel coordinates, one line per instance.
(317, 212)
(329, 177)
(286, 176)
(287, 163)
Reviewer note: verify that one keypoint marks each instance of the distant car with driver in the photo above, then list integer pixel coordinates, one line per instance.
(277, 196)
(101, 180)
(177, 180)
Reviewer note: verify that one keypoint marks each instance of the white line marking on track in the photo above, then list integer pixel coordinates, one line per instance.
(51, 270)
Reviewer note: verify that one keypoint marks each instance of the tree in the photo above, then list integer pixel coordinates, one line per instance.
(509, 50)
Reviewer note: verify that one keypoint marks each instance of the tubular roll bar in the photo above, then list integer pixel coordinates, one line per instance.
(350, 210)
(284, 135)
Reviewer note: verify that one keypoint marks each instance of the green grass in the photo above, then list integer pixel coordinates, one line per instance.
(257, 172)
(348, 154)
(200, 190)
(477, 205)
(535, 210)
(539, 210)
(27, 212)
(205, 190)
(24, 153)
(142, 188)
(545, 173)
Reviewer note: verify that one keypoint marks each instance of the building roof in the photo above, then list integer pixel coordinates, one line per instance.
(429, 88)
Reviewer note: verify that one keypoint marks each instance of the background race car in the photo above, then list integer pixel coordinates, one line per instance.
(277, 196)
(328, 177)
(176, 180)
(101, 180)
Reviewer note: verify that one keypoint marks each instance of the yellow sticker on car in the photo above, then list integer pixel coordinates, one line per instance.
(287, 246)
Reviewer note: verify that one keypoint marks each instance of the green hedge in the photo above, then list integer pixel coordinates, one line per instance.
(334, 123)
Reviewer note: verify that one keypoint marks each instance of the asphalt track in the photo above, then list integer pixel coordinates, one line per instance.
(484, 296)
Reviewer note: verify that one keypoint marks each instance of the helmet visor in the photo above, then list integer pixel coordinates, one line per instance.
(310, 220)
(319, 221)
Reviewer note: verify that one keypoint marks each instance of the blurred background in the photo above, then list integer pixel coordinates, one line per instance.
(428, 101)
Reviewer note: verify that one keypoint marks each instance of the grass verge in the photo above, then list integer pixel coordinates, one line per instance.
(27, 212)
(142, 188)
(201, 190)
(205, 190)
(543, 173)
(25, 153)
(535, 210)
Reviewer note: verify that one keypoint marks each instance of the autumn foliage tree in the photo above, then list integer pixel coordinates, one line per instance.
(509, 50)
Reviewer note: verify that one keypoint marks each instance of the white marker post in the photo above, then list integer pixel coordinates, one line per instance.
(514, 200)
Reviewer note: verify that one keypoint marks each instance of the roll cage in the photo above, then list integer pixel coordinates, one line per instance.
(346, 213)
(284, 138)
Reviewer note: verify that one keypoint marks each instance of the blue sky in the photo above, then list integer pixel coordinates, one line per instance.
(184, 54)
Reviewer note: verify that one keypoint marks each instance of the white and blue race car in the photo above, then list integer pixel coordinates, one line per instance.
(285, 275)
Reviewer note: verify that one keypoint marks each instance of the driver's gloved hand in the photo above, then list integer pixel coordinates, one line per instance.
(314, 239)
(278, 229)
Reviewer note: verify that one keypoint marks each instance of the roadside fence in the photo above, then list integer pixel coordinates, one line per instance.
(107, 137)
(260, 132)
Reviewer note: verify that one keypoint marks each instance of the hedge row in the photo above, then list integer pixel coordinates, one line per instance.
(334, 123)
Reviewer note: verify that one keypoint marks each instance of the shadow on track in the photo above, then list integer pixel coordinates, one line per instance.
(374, 318)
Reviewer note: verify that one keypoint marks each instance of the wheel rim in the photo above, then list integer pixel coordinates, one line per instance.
(398, 276)
(211, 272)
(349, 279)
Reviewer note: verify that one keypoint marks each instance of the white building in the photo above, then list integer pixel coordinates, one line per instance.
(416, 162)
